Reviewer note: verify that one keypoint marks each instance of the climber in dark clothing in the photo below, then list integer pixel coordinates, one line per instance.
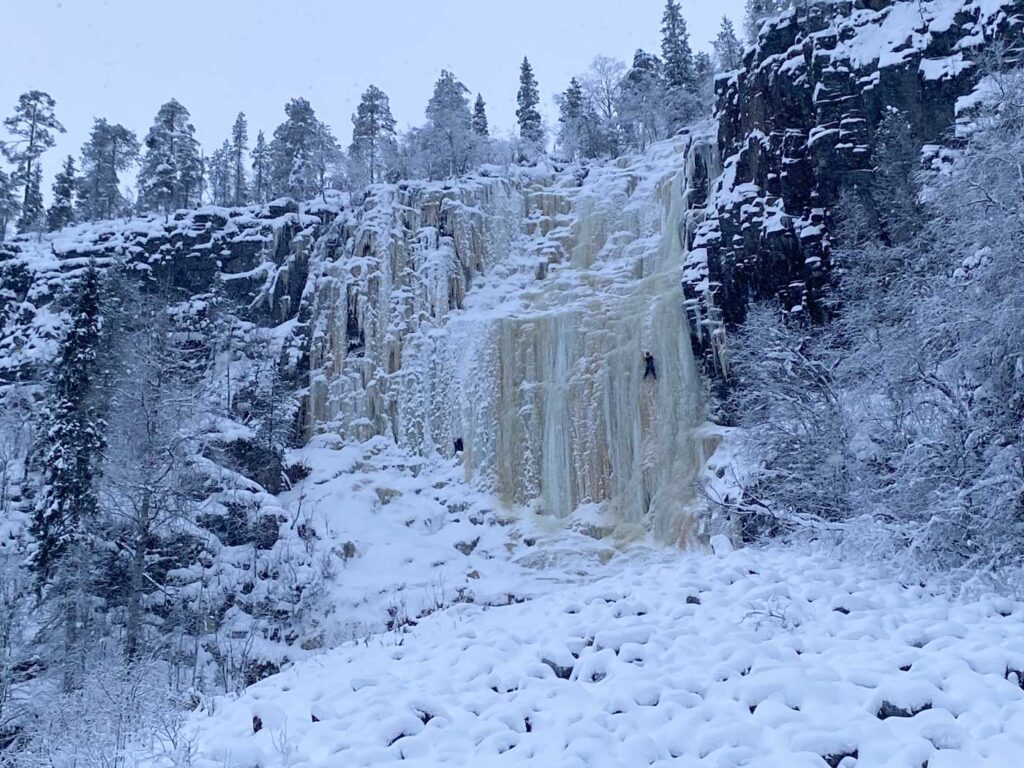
(649, 366)
(459, 448)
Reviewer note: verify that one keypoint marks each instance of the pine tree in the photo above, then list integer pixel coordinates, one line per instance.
(172, 170)
(260, 169)
(73, 439)
(448, 139)
(531, 128)
(290, 152)
(9, 205)
(62, 211)
(33, 211)
(110, 150)
(373, 136)
(480, 126)
(32, 125)
(728, 49)
(239, 149)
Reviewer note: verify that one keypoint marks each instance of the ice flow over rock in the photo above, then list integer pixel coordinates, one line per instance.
(511, 317)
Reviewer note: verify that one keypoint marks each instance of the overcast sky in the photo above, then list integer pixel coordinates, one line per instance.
(121, 59)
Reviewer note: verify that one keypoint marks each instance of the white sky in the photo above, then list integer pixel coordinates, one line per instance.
(121, 59)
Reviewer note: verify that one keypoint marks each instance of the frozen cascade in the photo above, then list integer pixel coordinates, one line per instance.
(515, 315)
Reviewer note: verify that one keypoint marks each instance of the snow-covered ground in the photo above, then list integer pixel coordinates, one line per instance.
(775, 657)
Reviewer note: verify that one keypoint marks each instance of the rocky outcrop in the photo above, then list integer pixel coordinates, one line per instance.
(797, 127)
(253, 261)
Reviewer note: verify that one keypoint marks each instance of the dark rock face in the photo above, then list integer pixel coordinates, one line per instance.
(797, 127)
(258, 258)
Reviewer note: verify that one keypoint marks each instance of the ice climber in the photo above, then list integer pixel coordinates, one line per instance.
(649, 366)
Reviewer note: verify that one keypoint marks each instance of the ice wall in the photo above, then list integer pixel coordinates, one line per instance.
(514, 315)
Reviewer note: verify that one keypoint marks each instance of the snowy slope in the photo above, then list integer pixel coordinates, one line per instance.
(754, 658)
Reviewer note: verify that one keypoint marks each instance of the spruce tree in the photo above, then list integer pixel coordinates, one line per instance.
(260, 169)
(373, 135)
(239, 149)
(678, 70)
(172, 171)
(676, 54)
(110, 150)
(573, 114)
(72, 440)
(62, 210)
(33, 126)
(531, 128)
(33, 211)
(728, 49)
(480, 126)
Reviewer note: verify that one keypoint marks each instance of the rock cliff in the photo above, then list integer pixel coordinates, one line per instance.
(797, 127)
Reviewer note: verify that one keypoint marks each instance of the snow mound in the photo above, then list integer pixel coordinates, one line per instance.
(753, 658)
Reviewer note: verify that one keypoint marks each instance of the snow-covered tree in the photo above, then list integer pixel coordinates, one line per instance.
(577, 135)
(894, 189)
(531, 128)
(602, 83)
(33, 211)
(682, 82)
(325, 159)
(676, 53)
(110, 150)
(220, 175)
(62, 209)
(260, 169)
(147, 484)
(32, 127)
(789, 400)
(172, 171)
(291, 152)
(239, 149)
(480, 126)
(447, 140)
(9, 206)
(759, 10)
(728, 48)
(373, 138)
(67, 505)
(641, 105)
(74, 436)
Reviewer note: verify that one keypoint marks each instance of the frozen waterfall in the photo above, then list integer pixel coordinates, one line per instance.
(514, 315)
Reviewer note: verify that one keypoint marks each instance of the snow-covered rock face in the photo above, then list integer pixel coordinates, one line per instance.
(797, 128)
(512, 319)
